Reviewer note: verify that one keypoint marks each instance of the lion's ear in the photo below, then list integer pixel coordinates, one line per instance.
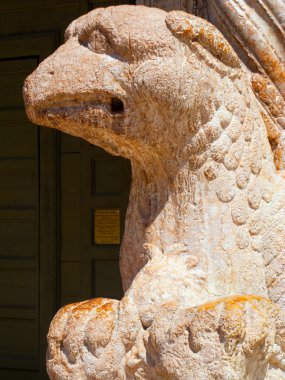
(192, 29)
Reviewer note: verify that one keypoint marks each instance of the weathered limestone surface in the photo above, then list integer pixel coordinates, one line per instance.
(202, 259)
(196, 7)
(256, 29)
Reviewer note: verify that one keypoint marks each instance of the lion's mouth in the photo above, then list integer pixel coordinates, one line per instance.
(69, 107)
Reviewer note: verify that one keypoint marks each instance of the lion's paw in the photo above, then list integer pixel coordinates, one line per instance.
(78, 341)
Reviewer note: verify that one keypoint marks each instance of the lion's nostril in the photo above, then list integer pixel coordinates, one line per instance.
(117, 106)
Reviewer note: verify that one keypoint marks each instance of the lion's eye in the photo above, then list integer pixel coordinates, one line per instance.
(117, 106)
(96, 42)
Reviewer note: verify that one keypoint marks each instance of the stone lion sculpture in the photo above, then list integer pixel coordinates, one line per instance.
(202, 259)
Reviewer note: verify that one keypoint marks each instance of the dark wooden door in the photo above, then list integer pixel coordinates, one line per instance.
(50, 187)
(92, 183)
(26, 194)
(19, 223)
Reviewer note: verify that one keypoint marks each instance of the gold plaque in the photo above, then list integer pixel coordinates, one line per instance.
(107, 226)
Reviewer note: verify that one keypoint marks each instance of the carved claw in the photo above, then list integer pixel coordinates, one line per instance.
(233, 338)
(79, 334)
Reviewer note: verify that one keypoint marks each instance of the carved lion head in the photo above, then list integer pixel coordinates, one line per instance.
(138, 82)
